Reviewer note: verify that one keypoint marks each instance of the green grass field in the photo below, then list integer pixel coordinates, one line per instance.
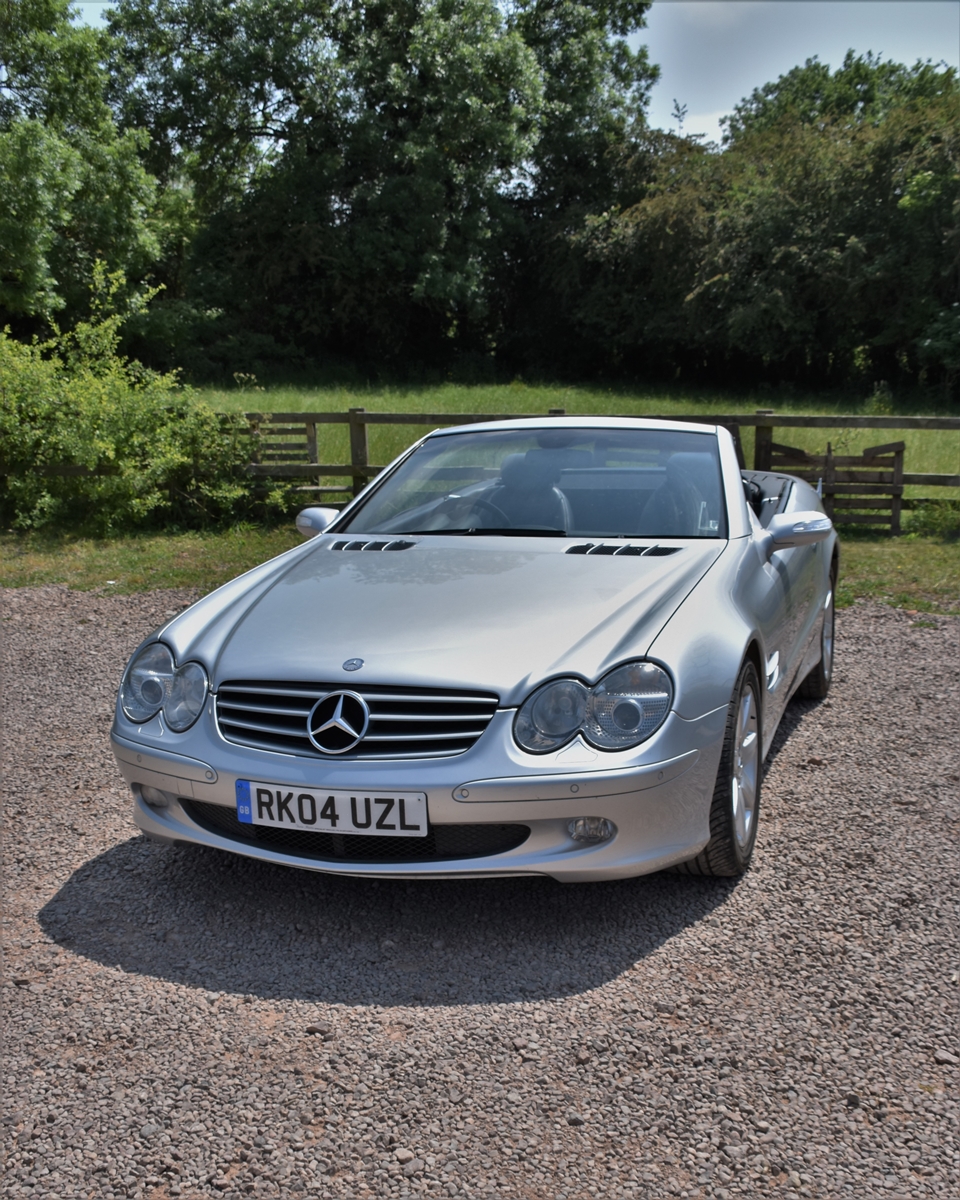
(933, 452)
(909, 572)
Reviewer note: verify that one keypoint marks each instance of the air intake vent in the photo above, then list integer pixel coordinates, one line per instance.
(605, 548)
(388, 545)
(404, 722)
(442, 842)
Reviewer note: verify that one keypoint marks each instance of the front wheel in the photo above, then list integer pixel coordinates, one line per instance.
(736, 794)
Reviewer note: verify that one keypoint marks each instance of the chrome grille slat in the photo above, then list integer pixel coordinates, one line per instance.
(422, 737)
(260, 727)
(405, 722)
(378, 716)
(241, 706)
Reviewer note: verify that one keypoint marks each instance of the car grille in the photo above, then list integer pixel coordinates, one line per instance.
(442, 842)
(404, 722)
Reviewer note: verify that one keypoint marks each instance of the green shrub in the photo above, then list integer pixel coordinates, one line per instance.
(935, 519)
(138, 449)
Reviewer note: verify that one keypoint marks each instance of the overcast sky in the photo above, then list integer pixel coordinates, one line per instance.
(712, 53)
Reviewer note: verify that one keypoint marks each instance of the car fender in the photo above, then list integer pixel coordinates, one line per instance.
(709, 635)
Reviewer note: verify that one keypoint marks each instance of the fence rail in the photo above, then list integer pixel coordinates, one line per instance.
(276, 458)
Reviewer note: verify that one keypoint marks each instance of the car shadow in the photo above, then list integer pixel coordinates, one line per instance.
(794, 715)
(213, 920)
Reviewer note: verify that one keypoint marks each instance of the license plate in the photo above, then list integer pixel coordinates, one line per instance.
(394, 814)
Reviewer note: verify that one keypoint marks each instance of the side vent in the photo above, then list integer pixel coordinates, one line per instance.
(396, 545)
(624, 551)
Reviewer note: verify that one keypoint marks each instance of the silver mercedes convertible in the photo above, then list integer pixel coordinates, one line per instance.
(556, 646)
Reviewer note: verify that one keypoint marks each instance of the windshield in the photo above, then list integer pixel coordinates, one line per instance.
(650, 483)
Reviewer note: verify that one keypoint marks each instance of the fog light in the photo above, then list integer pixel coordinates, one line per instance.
(591, 829)
(153, 796)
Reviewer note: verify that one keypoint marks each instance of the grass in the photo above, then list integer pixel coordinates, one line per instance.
(934, 452)
(922, 574)
(122, 565)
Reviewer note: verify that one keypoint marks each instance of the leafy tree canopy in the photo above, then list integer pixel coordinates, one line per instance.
(73, 187)
(864, 89)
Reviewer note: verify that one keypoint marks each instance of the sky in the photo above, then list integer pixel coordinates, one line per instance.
(712, 53)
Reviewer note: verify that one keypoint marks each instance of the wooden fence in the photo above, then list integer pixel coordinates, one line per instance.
(288, 449)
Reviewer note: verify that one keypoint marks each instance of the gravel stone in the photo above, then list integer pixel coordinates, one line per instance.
(792, 1034)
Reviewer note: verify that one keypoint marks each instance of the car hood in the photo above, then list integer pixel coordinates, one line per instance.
(496, 614)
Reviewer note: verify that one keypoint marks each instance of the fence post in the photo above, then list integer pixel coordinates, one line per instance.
(359, 450)
(763, 443)
(829, 483)
(897, 503)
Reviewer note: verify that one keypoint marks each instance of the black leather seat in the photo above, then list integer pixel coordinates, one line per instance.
(527, 495)
(675, 508)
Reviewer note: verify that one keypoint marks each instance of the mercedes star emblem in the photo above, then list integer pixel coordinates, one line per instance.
(353, 664)
(337, 722)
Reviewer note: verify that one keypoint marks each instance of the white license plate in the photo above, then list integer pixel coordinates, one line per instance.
(393, 814)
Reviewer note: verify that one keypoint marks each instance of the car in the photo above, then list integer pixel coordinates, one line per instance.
(550, 646)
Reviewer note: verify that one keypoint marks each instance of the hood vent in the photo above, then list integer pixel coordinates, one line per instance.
(396, 545)
(624, 551)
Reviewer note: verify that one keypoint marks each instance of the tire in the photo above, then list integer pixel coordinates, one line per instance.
(817, 683)
(736, 795)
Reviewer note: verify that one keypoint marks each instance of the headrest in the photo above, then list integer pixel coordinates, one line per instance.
(691, 467)
(539, 470)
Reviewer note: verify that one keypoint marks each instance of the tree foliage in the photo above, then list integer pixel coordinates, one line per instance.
(438, 185)
(819, 250)
(74, 188)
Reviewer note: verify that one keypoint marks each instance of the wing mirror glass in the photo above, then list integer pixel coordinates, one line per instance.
(796, 529)
(312, 521)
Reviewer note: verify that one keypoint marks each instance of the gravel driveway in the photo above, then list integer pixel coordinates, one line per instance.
(184, 1023)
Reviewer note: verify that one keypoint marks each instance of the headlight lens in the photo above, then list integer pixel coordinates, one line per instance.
(552, 715)
(627, 706)
(147, 684)
(622, 710)
(155, 682)
(188, 693)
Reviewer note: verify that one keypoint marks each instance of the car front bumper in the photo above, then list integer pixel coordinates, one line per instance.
(658, 799)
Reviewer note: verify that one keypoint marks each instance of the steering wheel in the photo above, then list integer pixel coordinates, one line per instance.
(488, 506)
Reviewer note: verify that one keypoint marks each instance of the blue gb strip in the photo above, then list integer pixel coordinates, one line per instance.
(244, 807)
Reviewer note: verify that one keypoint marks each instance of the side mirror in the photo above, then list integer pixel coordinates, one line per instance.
(312, 521)
(796, 529)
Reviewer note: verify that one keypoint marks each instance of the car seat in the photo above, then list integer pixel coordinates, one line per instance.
(674, 509)
(527, 494)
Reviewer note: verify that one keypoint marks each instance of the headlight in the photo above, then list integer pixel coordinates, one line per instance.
(627, 706)
(622, 710)
(155, 682)
(552, 715)
(188, 693)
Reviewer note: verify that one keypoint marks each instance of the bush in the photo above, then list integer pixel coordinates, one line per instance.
(935, 519)
(92, 441)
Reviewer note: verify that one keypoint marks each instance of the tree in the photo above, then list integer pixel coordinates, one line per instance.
(74, 188)
(372, 177)
(864, 90)
(821, 245)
